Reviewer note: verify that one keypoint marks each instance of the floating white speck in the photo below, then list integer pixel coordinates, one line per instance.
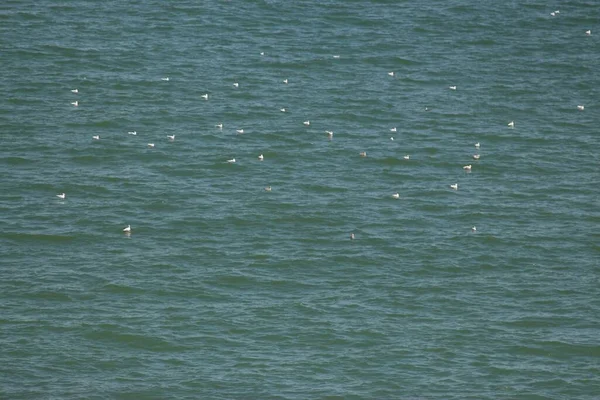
(127, 229)
(165, 79)
(477, 145)
(454, 186)
(205, 96)
(232, 161)
(268, 189)
(236, 84)
(467, 167)
(396, 195)
(406, 157)
(220, 126)
(282, 110)
(61, 196)
(476, 156)
(285, 81)
(393, 129)
(452, 87)
(363, 153)
(580, 108)
(474, 229)
(132, 133)
(77, 91)
(336, 56)
(391, 73)
(588, 32)
(96, 137)
(511, 124)
(240, 131)
(151, 145)
(171, 137)
(307, 123)
(75, 103)
(261, 157)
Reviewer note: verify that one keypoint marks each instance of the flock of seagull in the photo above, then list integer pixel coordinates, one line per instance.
(127, 230)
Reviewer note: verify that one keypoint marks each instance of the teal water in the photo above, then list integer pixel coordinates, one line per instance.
(226, 291)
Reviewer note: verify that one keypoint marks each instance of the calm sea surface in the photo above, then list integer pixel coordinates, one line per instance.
(224, 290)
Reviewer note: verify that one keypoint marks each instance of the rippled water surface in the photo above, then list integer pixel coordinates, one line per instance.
(224, 290)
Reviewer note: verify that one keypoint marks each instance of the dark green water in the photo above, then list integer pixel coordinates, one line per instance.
(226, 291)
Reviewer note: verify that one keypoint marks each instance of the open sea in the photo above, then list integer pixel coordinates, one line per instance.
(226, 290)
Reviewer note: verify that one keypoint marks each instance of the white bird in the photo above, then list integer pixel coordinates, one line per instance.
(392, 138)
(285, 81)
(151, 145)
(77, 91)
(452, 87)
(127, 229)
(363, 153)
(336, 56)
(268, 189)
(556, 12)
(262, 53)
(553, 14)
(307, 123)
(406, 157)
(75, 103)
(231, 161)
(588, 32)
(580, 108)
(474, 229)
(511, 124)
(393, 129)
(205, 96)
(171, 137)
(329, 133)
(352, 236)
(132, 133)
(476, 156)
(236, 84)
(261, 157)
(477, 145)
(96, 137)
(282, 110)
(396, 195)
(240, 131)
(61, 196)
(391, 73)
(467, 167)
(165, 79)
(454, 186)
(220, 126)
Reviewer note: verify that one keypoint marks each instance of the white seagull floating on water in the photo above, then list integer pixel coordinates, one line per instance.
(476, 156)
(393, 129)
(580, 108)
(61, 196)
(240, 131)
(282, 110)
(285, 81)
(165, 79)
(268, 189)
(235, 84)
(132, 133)
(363, 154)
(151, 145)
(454, 186)
(588, 32)
(75, 103)
(406, 157)
(307, 123)
(396, 195)
(391, 73)
(77, 91)
(232, 161)
(329, 133)
(511, 124)
(467, 167)
(261, 157)
(474, 229)
(127, 229)
(205, 96)
(97, 137)
(171, 137)
(477, 145)
(220, 126)
(452, 87)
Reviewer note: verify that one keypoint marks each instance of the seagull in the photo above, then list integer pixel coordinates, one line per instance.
(580, 108)
(476, 156)
(363, 153)
(467, 167)
(151, 145)
(282, 110)
(474, 229)
(393, 129)
(511, 124)
(553, 14)
(329, 133)
(240, 131)
(75, 103)
(477, 145)
(132, 133)
(261, 157)
(285, 81)
(171, 137)
(220, 126)
(205, 96)
(268, 189)
(406, 157)
(352, 236)
(232, 161)
(307, 123)
(452, 87)
(77, 91)
(391, 73)
(262, 53)
(396, 195)
(128, 229)
(392, 138)
(96, 137)
(588, 32)
(236, 84)
(454, 186)
(165, 79)
(426, 108)
(61, 196)
(336, 56)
